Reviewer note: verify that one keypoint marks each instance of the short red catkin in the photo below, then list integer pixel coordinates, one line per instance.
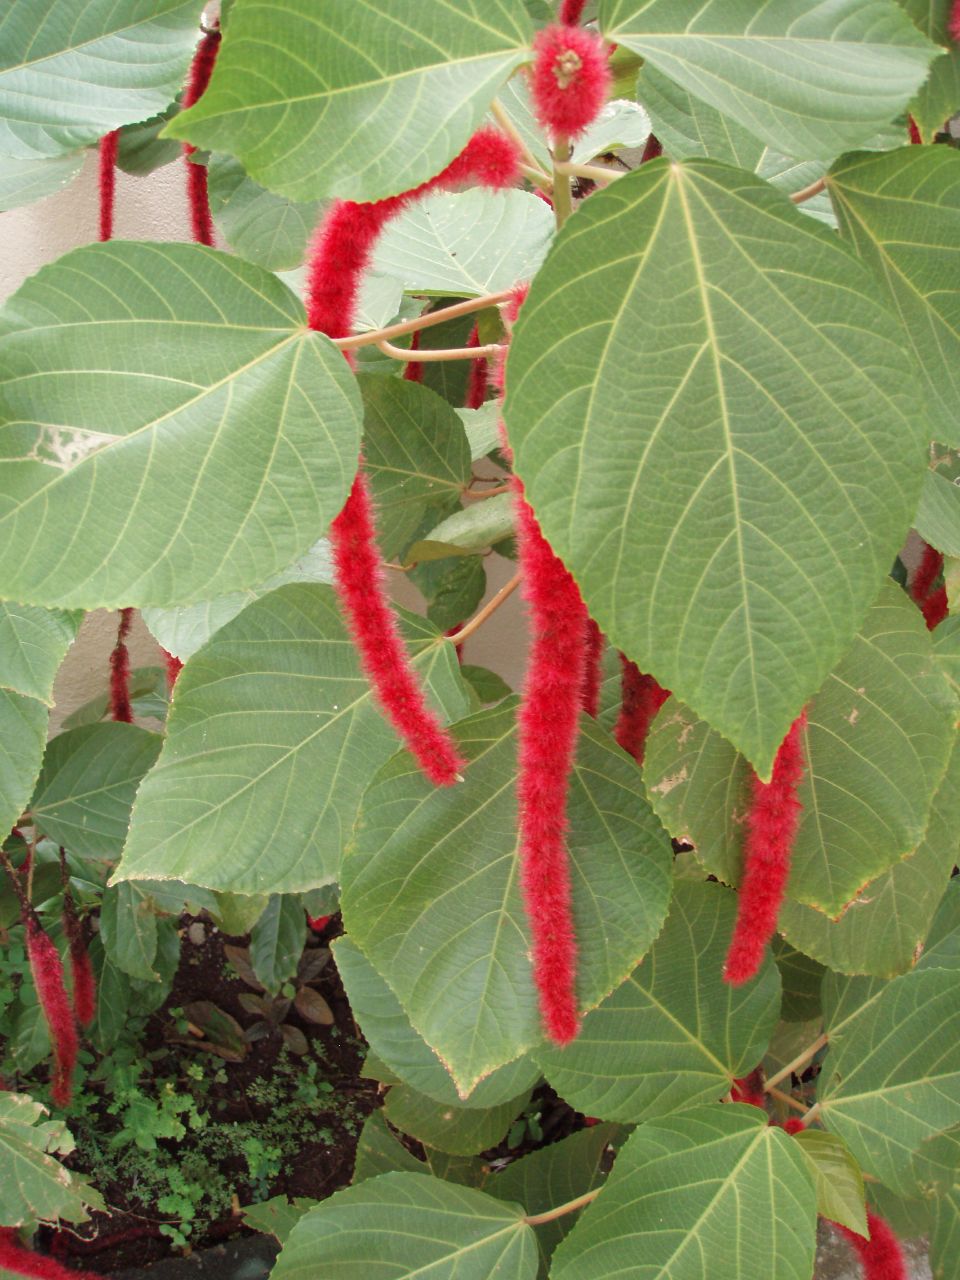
(881, 1256)
(569, 79)
(641, 697)
(81, 970)
(120, 708)
(109, 144)
(771, 827)
(932, 600)
(571, 12)
(14, 1257)
(197, 197)
(413, 369)
(341, 252)
(47, 973)
(953, 25)
(592, 670)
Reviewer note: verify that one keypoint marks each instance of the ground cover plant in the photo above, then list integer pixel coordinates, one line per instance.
(659, 300)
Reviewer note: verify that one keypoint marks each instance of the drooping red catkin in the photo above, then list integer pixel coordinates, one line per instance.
(108, 181)
(413, 369)
(174, 666)
(881, 1256)
(932, 601)
(913, 129)
(341, 252)
(47, 973)
(592, 669)
(81, 970)
(477, 378)
(953, 25)
(641, 697)
(571, 12)
(750, 1089)
(120, 708)
(569, 79)
(24, 1262)
(652, 148)
(197, 196)
(771, 827)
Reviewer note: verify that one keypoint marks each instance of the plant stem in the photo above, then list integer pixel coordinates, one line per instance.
(404, 327)
(427, 355)
(536, 1219)
(479, 494)
(562, 199)
(811, 1115)
(538, 178)
(595, 172)
(787, 1099)
(807, 193)
(479, 619)
(798, 1061)
(509, 128)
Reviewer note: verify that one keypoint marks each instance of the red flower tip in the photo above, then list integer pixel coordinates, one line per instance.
(953, 25)
(652, 149)
(934, 608)
(881, 1256)
(570, 78)
(120, 708)
(641, 697)
(108, 181)
(477, 379)
(770, 831)
(198, 199)
(174, 667)
(793, 1125)
(593, 669)
(750, 1089)
(318, 923)
(571, 12)
(916, 137)
(81, 970)
(47, 973)
(24, 1262)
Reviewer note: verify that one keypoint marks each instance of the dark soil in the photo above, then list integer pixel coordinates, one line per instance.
(250, 1092)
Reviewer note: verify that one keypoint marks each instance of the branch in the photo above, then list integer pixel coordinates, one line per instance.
(476, 622)
(426, 355)
(562, 195)
(506, 124)
(421, 322)
(807, 193)
(595, 172)
(536, 1219)
(798, 1061)
(787, 1099)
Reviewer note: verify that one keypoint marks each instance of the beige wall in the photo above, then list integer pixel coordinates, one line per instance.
(154, 208)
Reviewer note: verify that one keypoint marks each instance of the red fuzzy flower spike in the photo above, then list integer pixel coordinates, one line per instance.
(81, 970)
(881, 1255)
(120, 708)
(569, 80)
(174, 667)
(413, 369)
(641, 698)
(108, 181)
(48, 978)
(953, 25)
(24, 1262)
(771, 829)
(592, 672)
(932, 601)
(652, 149)
(200, 72)
(341, 252)
(571, 12)
(479, 372)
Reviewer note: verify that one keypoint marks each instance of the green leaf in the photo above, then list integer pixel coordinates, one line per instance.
(939, 95)
(379, 1150)
(424, 85)
(37, 1186)
(801, 977)
(402, 1225)
(715, 1191)
(23, 732)
(468, 531)
(148, 700)
(276, 1217)
(620, 123)
(452, 588)
(237, 913)
(387, 1030)
(945, 1235)
(277, 941)
(901, 213)
(184, 631)
(462, 1131)
(262, 227)
(882, 930)
(24, 181)
(938, 516)
(466, 245)
(687, 127)
(141, 150)
(431, 894)
(807, 79)
(488, 686)
(892, 1078)
(715, 371)
(942, 947)
(135, 376)
(674, 1035)
(416, 454)
(273, 735)
(128, 929)
(70, 71)
(32, 646)
(837, 1178)
(878, 739)
(86, 787)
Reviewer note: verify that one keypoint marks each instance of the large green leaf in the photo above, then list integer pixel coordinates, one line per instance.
(354, 99)
(387, 1030)
(32, 645)
(462, 1131)
(417, 456)
(938, 516)
(86, 787)
(431, 891)
(945, 1235)
(837, 1178)
(272, 738)
(262, 227)
(402, 1225)
(939, 95)
(883, 928)
(714, 1192)
(942, 946)
(467, 245)
(172, 430)
(23, 732)
(878, 738)
(185, 630)
(35, 1185)
(810, 79)
(686, 126)
(128, 929)
(674, 1035)
(23, 181)
(72, 70)
(277, 941)
(901, 212)
(697, 385)
(892, 1076)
